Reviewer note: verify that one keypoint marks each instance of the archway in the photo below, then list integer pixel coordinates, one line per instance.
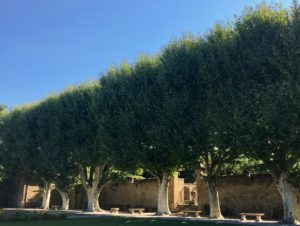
(55, 200)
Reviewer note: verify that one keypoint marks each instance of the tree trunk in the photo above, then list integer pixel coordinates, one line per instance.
(92, 190)
(65, 200)
(96, 200)
(93, 194)
(90, 199)
(163, 196)
(214, 204)
(20, 184)
(46, 196)
(291, 199)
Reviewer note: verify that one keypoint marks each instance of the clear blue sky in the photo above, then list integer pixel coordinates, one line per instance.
(46, 45)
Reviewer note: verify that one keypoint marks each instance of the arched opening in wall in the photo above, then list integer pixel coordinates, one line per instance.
(55, 199)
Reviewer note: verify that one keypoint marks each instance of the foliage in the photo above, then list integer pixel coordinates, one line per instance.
(243, 166)
(2, 108)
(267, 84)
(200, 86)
(54, 157)
(17, 145)
(138, 114)
(227, 101)
(80, 128)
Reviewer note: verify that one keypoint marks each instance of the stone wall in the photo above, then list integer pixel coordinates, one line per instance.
(144, 193)
(243, 194)
(32, 196)
(141, 193)
(176, 192)
(237, 194)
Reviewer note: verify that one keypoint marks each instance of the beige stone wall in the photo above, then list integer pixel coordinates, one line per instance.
(176, 192)
(141, 193)
(243, 194)
(188, 189)
(32, 196)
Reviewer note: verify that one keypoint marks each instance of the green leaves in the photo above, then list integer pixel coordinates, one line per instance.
(213, 100)
(268, 87)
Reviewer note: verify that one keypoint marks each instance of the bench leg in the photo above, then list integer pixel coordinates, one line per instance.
(131, 211)
(197, 215)
(243, 218)
(140, 212)
(258, 219)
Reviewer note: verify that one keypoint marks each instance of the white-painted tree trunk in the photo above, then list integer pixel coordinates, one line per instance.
(93, 190)
(90, 199)
(163, 196)
(93, 199)
(291, 199)
(46, 196)
(96, 200)
(65, 200)
(214, 203)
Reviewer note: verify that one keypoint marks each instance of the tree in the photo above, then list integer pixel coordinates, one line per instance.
(17, 146)
(196, 70)
(81, 134)
(23, 153)
(267, 84)
(55, 163)
(144, 122)
(39, 158)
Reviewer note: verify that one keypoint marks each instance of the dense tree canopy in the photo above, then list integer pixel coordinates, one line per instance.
(267, 75)
(230, 96)
(139, 114)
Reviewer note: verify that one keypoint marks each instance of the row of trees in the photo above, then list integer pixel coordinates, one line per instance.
(210, 101)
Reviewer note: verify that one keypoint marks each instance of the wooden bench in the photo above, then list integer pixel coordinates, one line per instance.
(257, 215)
(114, 210)
(138, 210)
(195, 213)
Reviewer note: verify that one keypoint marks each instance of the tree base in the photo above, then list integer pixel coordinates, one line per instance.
(99, 210)
(290, 221)
(93, 211)
(45, 209)
(163, 214)
(217, 218)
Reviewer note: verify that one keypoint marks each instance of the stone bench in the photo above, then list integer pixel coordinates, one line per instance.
(195, 213)
(136, 210)
(114, 210)
(256, 215)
